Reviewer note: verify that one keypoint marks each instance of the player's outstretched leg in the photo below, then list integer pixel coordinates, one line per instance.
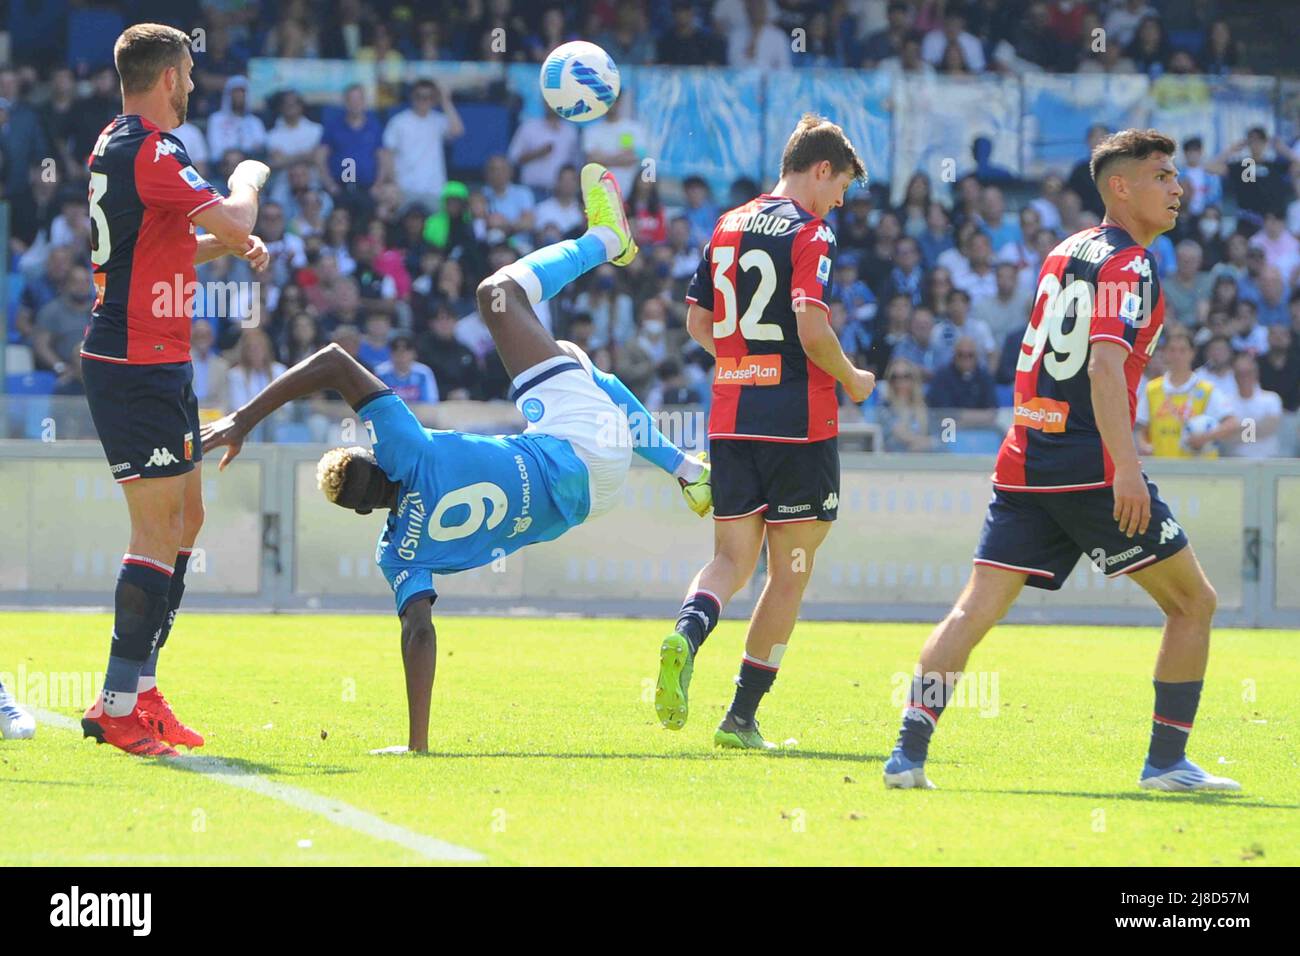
(988, 595)
(1188, 600)
(736, 545)
(506, 298)
(691, 472)
(15, 723)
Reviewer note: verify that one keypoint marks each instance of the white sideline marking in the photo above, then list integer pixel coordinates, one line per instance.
(335, 811)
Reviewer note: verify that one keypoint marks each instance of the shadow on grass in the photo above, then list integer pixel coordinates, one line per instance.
(237, 767)
(794, 754)
(1211, 797)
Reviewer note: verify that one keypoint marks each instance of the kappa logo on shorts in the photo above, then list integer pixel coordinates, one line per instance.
(1169, 530)
(533, 409)
(832, 502)
(161, 457)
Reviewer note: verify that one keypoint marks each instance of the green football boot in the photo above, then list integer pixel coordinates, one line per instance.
(604, 202)
(676, 662)
(733, 734)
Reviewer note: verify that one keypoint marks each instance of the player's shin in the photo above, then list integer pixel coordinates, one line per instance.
(929, 695)
(544, 272)
(1171, 722)
(140, 609)
(149, 673)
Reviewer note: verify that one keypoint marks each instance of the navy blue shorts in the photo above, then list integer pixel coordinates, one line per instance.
(1043, 534)
(147, 417)
(784, 481)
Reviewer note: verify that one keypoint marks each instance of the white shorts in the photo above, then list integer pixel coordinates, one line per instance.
(568, 404)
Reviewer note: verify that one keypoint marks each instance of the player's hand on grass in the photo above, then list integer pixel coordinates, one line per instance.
(224, 431)
(256, 254)
(860, 385)
(250, 173)
(1132, 502)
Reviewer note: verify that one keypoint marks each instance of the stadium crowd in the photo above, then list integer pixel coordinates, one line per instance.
(376, 246)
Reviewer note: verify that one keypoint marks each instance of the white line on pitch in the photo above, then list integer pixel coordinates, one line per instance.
(335, 811)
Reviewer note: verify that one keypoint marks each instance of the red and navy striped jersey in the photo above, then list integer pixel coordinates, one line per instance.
(143, 193)
(1096, 286)
(767, 261)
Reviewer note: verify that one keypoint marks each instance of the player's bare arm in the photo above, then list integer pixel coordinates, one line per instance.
(699, 323)
(330, 368)
(823, 347)
(254, 253)
(232, 219)
(1110, 404)
(419, 661)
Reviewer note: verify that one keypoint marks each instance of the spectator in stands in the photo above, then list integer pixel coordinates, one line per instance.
(993, 218)
(906, 275)
(234, 125)
(378, 289)
(91, 114)
(1009, 356)
(294, 137)
(916, 204)
(952, 40)
(561, 215)
(1123, 20)
(670, 387)
(42, 288)
(411, 380)
(302, 338)
(454, 366)
(1258, 411)
(1247, 334)
(630, 41)
(415, 141)
(1036, 42)
(756, 42)
(70, 383)
(687, 43)
(610, 308)
(1188, 288)
(701, 211)
(617, 142)
(1281, 248)
(902, 414)
(1266, 189)
(978, 277)
(211, 371)
(343, 307)
(1149, 50)
(541, 148)
(918, 348)
(1169, 401)
(964, 386)
(853, 229)
(1272, 304)
(57, 119)
(375, 349)
(937, 237)
(958, 324)
(1217, 369)
(875, 262)
(1279, 368)
(61, 322)
(510, 205)
(551, 33)
(1220, 54)
(646, 212)
(219, 63)
(888, 43)
(1080, 179)
(1008, 309)
(1201, 188)
(859, 301)
(636, 361)
(287, 253)
(255, 368)
(854, 334)
(350, 146)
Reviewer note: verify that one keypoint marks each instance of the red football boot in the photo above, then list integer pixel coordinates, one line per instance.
(124, 733)
(153, 711)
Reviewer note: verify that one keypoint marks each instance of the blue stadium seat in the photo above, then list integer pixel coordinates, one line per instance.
(30, 383)
(1006, 395)
(974, 441)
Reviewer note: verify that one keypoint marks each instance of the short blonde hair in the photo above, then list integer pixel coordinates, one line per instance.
(332, 470)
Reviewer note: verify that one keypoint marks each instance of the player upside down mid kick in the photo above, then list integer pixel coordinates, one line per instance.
(1068, 480)
(458, 501)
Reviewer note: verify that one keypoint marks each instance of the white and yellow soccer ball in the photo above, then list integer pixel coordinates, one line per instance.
(579, 81)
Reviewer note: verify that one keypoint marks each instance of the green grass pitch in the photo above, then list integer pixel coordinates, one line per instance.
(547, 751)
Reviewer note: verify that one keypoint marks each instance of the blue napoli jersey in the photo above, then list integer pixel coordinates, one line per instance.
(466, 500)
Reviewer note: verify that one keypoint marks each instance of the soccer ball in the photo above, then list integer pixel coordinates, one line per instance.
(1199, 425)
(579, 81)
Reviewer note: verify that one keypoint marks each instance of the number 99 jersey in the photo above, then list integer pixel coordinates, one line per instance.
(1098, 285)
(767, 262)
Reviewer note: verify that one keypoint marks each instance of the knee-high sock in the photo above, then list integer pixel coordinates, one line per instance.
(149, 673)
(544, 272)
(647, 440)
(140, 607)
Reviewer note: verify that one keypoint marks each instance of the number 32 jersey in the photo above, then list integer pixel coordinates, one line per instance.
(767, 261)
(1098, 285)
(466, 500)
